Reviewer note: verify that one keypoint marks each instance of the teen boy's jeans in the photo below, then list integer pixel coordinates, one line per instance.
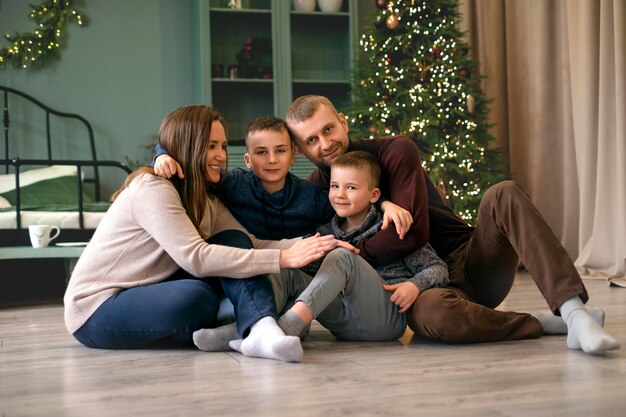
(173, 309)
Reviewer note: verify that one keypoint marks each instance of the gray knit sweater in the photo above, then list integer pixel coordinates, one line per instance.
(422, 267)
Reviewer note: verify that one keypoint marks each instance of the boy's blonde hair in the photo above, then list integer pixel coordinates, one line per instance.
(363, 161)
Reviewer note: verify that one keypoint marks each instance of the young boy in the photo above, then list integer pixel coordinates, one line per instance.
(368, 308)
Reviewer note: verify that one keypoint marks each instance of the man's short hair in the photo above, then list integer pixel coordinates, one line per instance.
(304, 107)
(271, 123)
(363, 161)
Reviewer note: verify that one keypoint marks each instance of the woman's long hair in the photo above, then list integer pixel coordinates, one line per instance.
(184, 133)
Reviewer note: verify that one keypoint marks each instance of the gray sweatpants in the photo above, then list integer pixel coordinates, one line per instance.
(346, 296)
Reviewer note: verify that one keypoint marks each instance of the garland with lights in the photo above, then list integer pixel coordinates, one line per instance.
(36, 49)
(415, 77)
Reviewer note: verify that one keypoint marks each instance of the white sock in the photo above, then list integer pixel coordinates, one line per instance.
(214, 340)
(267, 340)
(555, 325)
(583, 332)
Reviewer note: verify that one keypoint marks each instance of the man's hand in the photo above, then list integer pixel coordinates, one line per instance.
(404, 294)
(395, 214)
(165, 166)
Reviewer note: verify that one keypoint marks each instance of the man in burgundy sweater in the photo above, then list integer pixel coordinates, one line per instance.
(482, 261)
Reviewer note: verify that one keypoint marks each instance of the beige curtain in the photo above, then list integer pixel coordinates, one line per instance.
(556, 71)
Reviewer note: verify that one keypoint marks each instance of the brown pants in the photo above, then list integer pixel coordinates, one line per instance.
(509, 229)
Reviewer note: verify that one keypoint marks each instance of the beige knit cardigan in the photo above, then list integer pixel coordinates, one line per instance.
(145, 236)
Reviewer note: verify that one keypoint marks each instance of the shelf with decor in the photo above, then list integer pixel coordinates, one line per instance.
(320, 46)
(322, 51)
(238, 91)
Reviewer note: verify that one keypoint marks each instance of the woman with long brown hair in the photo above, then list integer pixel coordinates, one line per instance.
(165, 254)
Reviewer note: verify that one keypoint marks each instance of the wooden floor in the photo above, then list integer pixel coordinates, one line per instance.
(45, 372)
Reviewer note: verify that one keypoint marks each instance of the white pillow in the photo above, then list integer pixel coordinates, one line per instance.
(7, 181)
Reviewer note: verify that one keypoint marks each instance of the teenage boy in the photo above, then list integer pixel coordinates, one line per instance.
(482, 261)
(347, 296)
(267, 199)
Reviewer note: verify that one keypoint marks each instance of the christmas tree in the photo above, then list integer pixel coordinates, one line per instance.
(415, 77)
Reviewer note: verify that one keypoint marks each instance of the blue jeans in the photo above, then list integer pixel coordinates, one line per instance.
(171, 310)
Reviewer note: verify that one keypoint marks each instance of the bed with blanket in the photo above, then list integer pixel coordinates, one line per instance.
(35, 187)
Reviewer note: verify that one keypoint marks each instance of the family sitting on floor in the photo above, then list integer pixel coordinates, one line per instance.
(191, 253)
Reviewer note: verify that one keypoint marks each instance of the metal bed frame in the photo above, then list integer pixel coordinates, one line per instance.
(17, 162)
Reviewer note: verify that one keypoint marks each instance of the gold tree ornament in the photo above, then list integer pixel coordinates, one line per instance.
(423, 70)
(392, 21)
(471, 103)
(36, 49)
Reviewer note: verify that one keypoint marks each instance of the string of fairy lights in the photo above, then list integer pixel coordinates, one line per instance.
(35, 49)
(417, 82)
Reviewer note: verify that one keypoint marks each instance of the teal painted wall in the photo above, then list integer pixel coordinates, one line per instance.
(131, 65)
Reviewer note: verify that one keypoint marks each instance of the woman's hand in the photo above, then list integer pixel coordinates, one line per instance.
(395, 214)
(346, 245)
(307, 250)
(404, 294)
(165, 166)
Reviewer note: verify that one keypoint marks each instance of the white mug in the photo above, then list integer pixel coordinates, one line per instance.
(40, 234)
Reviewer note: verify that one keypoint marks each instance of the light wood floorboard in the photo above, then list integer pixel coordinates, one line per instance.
(45, 372)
